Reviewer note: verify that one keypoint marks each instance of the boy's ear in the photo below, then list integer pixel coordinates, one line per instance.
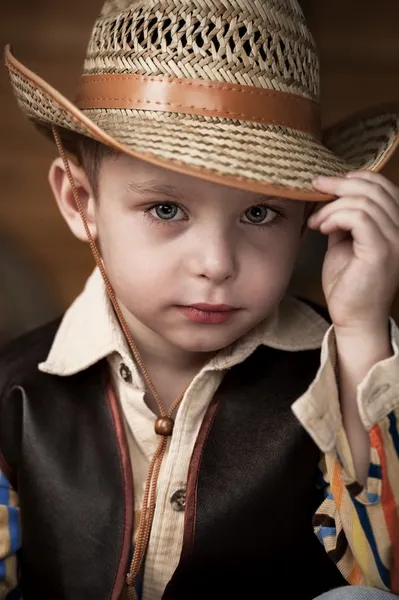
(61, 187)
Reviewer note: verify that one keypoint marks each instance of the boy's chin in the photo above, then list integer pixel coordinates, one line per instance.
(206, 341)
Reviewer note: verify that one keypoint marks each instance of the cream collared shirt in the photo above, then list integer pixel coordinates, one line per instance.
(90, 332)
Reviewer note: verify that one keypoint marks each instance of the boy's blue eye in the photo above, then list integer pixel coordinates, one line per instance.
(259, 215)
(166, 211)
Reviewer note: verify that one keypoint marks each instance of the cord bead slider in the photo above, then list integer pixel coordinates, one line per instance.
(164, 426)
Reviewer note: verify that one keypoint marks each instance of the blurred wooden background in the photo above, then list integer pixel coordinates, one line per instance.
(359, 49)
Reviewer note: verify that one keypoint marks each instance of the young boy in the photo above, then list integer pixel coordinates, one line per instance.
(163, 439)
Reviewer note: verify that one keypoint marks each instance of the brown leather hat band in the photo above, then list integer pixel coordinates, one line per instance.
(199, 97)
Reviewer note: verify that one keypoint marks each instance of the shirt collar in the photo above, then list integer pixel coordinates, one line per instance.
(90, 331)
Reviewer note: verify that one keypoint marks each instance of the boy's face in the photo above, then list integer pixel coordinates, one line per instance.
(171, 242)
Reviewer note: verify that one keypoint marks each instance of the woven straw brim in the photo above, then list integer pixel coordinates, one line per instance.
(265, 159)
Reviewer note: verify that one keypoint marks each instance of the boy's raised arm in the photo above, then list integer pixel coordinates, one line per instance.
(352, 408)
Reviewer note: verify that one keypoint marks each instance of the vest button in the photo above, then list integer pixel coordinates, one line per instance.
(125, 373)
(178, 500)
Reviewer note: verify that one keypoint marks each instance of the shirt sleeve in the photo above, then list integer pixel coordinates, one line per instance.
(10, 541)
(358, 526)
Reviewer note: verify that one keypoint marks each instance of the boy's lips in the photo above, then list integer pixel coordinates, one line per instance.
(210, 314)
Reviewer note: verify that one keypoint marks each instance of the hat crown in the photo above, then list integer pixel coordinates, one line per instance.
(261, 43)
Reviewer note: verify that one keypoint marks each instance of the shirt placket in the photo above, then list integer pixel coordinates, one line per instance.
(166, 538)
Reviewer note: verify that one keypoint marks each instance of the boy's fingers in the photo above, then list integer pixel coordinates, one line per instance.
(363, 229)
(369, 191)
(385, 183)
(388, 228)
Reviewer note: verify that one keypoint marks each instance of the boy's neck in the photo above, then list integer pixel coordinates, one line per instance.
(170, 374)
(169, 383)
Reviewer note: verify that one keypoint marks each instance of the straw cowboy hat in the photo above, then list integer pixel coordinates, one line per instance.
(224, 90)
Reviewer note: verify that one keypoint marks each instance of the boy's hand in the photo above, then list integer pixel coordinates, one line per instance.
(361, 267)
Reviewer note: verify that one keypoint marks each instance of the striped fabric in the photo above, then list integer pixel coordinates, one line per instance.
(359, 527)
(10, 541)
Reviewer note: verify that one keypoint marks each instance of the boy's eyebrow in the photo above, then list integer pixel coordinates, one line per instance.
(153, 187)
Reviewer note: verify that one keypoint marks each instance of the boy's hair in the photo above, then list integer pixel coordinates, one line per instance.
(90, 155)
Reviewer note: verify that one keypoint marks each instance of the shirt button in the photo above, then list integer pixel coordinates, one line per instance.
(125, 373)
(178, 500)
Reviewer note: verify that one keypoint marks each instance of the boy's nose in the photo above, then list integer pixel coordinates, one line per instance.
(214, 259)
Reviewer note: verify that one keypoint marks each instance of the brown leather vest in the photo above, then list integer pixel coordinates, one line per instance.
(251, 488)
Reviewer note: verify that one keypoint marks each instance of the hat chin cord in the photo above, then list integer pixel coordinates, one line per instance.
(163, 424)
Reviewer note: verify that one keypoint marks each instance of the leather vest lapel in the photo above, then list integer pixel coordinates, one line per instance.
(75, 487)
(252, 489)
